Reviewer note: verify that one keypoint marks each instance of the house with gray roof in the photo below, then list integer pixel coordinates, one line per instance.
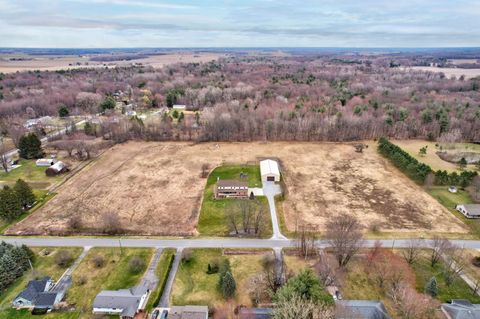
(469, 210)
(39, 294)
(360, 309)
(461, 309)
(125, 303)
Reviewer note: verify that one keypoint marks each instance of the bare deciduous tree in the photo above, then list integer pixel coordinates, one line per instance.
(300, 308)
(412, 305)
(344, 234)
(305, 242)
(325, 269)
(455, 262)
(111, 223)
(439, 246)
(412, 251)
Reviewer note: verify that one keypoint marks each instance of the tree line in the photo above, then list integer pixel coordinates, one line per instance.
(421, 172)
(15, 200)
(14, 261)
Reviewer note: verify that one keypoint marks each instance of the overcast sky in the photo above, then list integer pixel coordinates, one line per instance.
(241, 23)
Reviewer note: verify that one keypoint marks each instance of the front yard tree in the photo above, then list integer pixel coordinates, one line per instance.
(431, 287)
(228, 286)
(24, 193)
(344, 234)
(462, 163)
(3, 155)
(10, 204)
(30, 146)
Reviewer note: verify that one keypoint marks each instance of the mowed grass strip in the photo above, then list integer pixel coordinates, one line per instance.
(193, 286)
(43, 265)
(113, 275)
(212, 220)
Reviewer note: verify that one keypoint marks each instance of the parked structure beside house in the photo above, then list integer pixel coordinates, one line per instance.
(125, 303)
(360, 309)
(56, 169)
(39, 294)
(226, 188)
(188, 312)
(45, 162)
(469, 210)
(461, 309)
(269, 171)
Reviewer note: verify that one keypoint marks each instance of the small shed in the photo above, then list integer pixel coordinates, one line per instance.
(469, 210)
(179, 107)
(56, 169)
(45, 162)
(269, 171)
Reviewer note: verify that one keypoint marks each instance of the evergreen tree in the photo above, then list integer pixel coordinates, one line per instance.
(24, 193)
(228, 286)
(463, 163)
(30, 146)
(431, 287)
(63, 111)
(107, 104)
(10, 204)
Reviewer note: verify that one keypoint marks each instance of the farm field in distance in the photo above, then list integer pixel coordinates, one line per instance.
(431, 158)
(156, 189)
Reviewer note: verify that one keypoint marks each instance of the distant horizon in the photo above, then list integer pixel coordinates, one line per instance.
(249, 23)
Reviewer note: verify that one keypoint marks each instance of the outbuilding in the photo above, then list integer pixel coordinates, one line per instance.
(57, 168)
(469, 210)
(45, 162)
(269, 171)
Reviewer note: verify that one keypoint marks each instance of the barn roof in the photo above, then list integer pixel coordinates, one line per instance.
(269, 166)
(58, 166)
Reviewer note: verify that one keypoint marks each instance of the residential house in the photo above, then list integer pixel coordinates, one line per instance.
(469, 210)
(39, 294)
(461, 309)
(226, 188)
(188, 312)
(360, 309)
(125, 303)
(269, 171)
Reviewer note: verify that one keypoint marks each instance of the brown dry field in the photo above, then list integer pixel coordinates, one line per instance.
(449, 72)
(54, 63)
(156, 188)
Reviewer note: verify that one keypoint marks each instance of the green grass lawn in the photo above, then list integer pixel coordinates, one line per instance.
(43, 266)
(212, 220)
(193, 286)
(458, 290)
(29, 172)
(113, 275)
(162, 272)
(450, 200)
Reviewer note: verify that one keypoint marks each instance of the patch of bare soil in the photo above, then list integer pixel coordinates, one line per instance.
(156, 189)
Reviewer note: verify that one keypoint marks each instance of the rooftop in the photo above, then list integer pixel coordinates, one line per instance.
(361, 309)
(461, 309)
(473, 209)
(188, 312)
(229, 183)
(269, 166)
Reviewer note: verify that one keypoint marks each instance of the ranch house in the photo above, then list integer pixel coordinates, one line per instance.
(125, 303)
(226, 188)
(469, 210)
(269, 171)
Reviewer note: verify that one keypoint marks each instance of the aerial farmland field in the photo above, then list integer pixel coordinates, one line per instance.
(156, 189)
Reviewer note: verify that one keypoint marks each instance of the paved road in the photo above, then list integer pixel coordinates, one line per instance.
(270, 189)
(198, 243)
(164, 300)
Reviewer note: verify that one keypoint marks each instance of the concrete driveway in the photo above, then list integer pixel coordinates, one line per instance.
(270, 190)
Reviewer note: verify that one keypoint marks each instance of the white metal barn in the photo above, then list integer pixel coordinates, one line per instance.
(269, 171)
